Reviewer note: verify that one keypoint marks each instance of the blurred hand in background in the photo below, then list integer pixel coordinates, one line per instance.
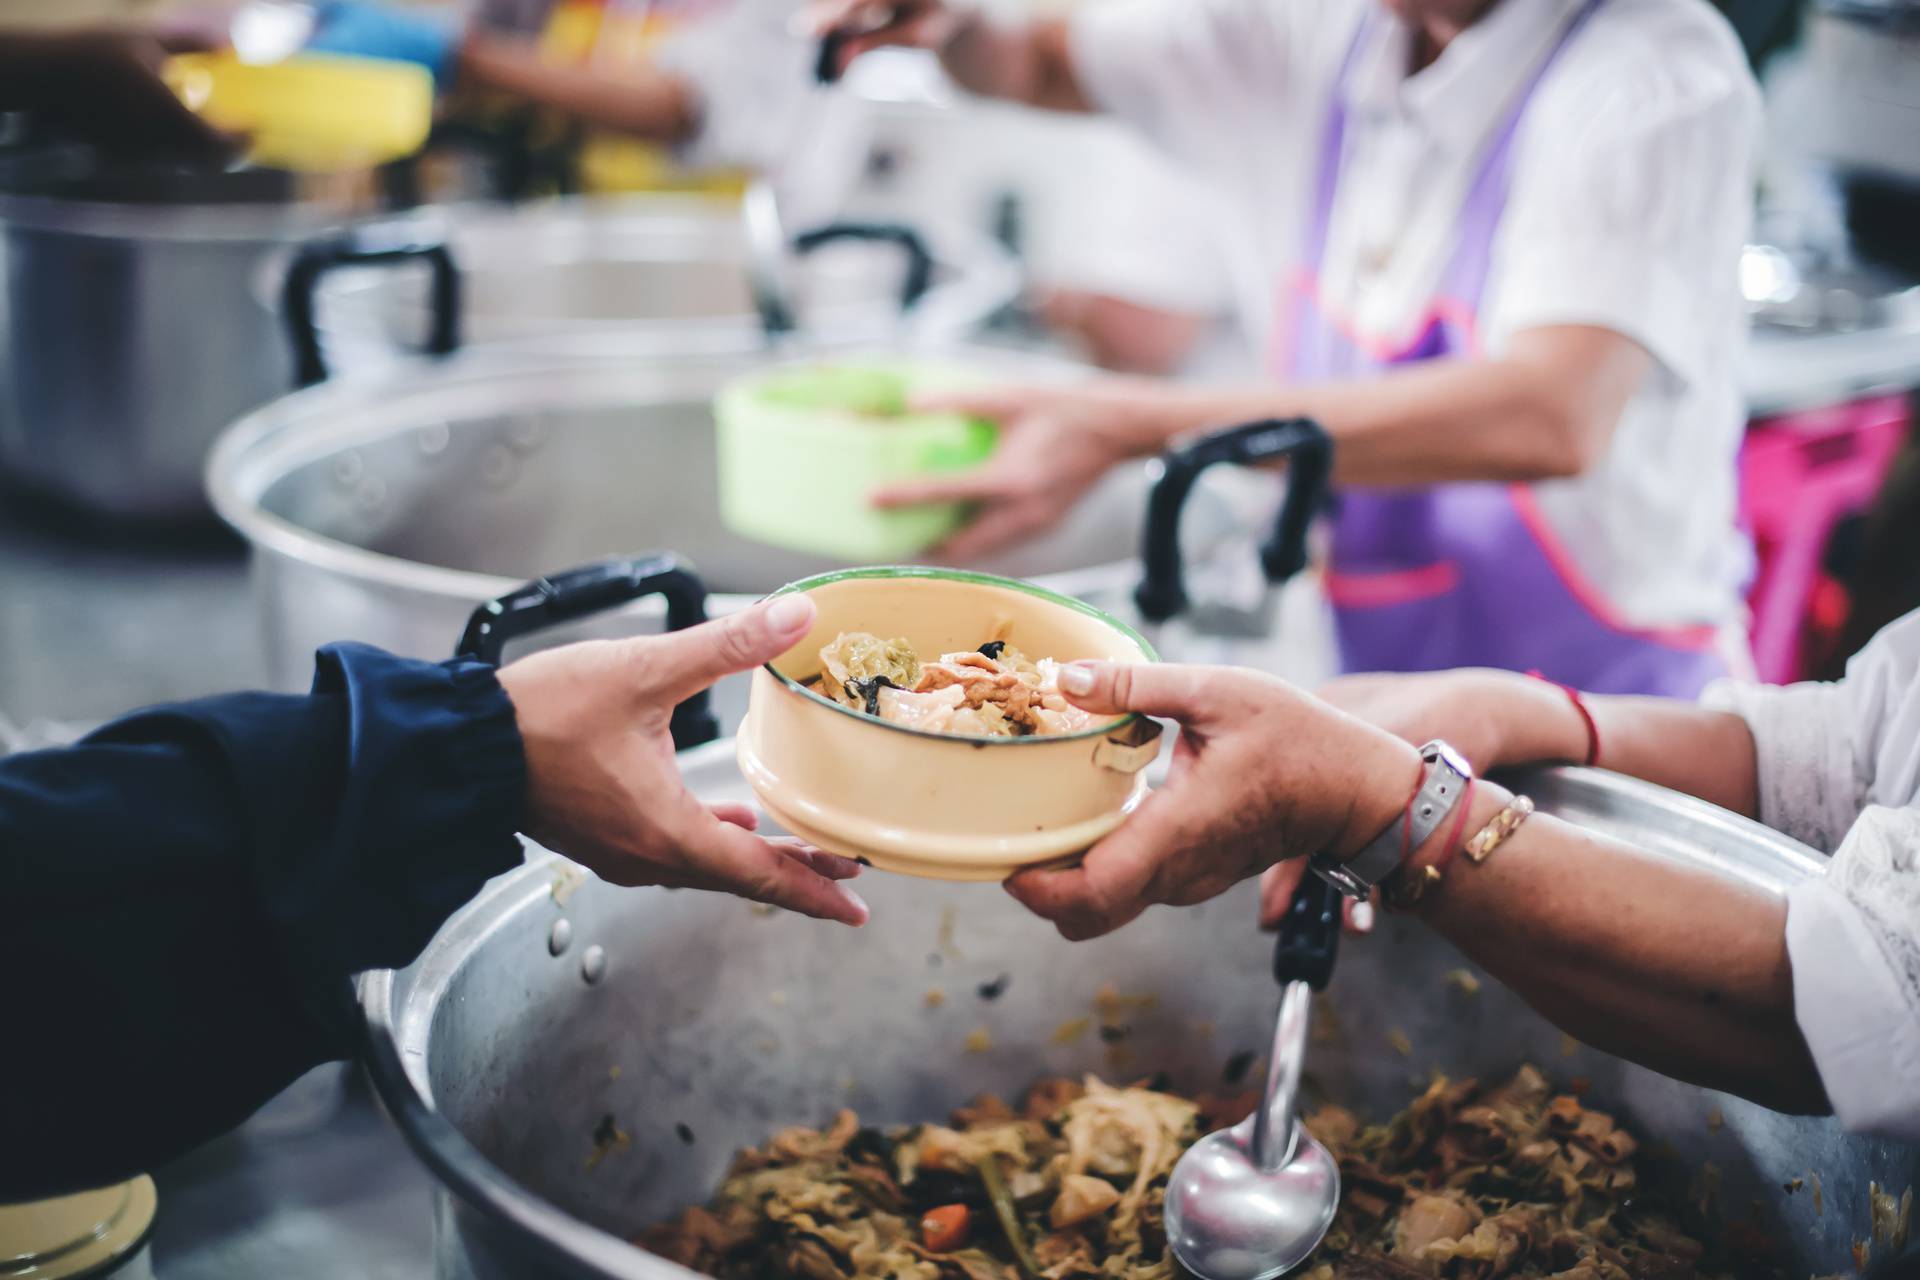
(102, 85)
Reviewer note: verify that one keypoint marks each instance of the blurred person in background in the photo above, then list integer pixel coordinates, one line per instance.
(1492, 247)
(1809, 1002)
(697, 92)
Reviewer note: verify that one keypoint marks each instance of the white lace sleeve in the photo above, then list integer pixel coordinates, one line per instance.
(1853, 937)
(1810, 782)
(1827, 751)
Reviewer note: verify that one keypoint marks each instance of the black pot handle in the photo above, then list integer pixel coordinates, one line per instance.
(1162, 592)
(826, 63)
(1309, 935)
(374, 245)
(595, 588)
(777, 318)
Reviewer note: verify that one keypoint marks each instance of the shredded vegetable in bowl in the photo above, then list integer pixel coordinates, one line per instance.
(1468, 1183)
(994, 691)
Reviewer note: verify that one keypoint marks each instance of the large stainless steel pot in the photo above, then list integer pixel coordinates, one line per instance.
(385, 508)
(555, 1005)
(664, 276)
(133, 329)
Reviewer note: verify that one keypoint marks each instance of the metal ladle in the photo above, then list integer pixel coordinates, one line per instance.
(1253, 1201)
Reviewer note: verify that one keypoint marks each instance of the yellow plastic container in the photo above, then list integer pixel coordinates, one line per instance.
(313, 112)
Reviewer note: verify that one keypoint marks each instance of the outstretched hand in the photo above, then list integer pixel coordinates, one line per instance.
(604, 787)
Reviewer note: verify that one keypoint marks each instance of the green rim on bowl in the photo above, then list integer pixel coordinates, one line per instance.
(977, 579)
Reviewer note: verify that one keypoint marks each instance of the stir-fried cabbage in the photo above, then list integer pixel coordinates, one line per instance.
(1467, 1183)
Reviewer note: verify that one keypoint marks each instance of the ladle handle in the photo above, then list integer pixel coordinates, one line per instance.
(1302, 963)
(1309, 453)
(1309, 935)
(1275, 1124)
(595, 588)
(374, 245)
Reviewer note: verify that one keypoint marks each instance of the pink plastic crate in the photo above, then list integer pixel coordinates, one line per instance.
(1800, 475)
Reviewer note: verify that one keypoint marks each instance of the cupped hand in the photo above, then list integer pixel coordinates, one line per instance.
(1261, 773)
(1055, 444)
(603, 786)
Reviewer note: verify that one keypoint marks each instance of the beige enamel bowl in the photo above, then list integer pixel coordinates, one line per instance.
(932, 804)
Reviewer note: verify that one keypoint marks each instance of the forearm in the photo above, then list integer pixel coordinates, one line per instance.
(191, 888)
(1675, 744)
(647, 103)
(1029, 64)
(1670, 967)
(1437, 421)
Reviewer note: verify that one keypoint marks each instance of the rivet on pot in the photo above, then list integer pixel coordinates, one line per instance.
(433, 439)
(347, 467)
(526, 435)
(372, 492)
(560, 937)
(593, 963)
(497, 467)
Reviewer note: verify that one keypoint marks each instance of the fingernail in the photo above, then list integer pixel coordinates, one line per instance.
(854, 900)
(1363, 917)
(1076, 678)
(790, 613)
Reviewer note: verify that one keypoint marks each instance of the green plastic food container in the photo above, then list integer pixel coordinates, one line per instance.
(802, 449)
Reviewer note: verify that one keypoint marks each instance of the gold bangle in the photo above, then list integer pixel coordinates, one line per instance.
(1483, 842)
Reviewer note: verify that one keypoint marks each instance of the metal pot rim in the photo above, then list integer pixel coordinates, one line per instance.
(212, 223)
(1775, 862)
(266, 444)
(688, 227)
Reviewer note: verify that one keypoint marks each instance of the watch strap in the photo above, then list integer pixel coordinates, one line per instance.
(1440, 791)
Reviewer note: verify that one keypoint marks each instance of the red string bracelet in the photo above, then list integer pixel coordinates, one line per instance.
(1586, 716)
(1406, 823)
(1410, 885)
(1457, 834)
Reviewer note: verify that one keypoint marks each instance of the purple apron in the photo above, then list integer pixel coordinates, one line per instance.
(1466, 574)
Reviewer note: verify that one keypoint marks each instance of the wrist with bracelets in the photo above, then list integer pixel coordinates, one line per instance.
(1412, 879)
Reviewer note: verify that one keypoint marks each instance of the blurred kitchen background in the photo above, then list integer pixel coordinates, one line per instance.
(1065, 234)
(143, 314)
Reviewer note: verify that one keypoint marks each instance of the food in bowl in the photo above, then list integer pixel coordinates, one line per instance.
(1467, 1182)
(991, 691)
(905, 798)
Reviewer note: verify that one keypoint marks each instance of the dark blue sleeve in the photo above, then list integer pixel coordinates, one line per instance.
(184, 894)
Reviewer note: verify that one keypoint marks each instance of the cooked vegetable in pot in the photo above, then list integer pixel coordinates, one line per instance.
(994, 691)
(1467, 1183)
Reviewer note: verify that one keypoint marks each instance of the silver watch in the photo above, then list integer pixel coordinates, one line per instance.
(1445, 784)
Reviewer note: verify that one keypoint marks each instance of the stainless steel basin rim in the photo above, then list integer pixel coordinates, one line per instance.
(477, 1050)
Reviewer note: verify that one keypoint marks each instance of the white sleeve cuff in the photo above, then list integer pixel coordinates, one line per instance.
(1853, 1013)
(1808, 779)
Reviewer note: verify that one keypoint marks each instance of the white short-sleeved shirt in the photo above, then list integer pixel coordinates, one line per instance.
(1629, 202)
(760, 107)
(1839, 768)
